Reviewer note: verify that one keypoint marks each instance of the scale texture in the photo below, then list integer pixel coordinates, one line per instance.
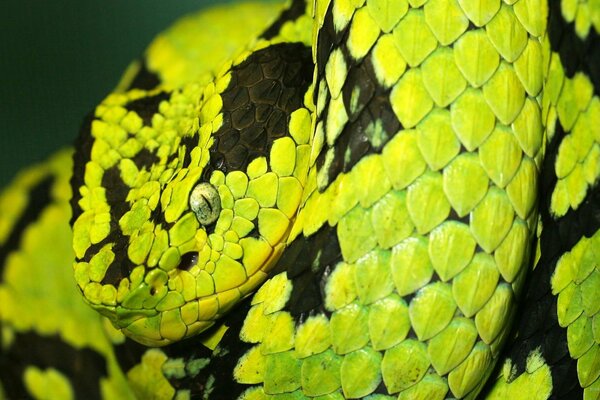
(339, 199)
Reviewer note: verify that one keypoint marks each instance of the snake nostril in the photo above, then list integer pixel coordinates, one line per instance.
(188, 260)
(152, 291)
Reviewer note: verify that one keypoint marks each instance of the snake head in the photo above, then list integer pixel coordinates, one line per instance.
(183, 200)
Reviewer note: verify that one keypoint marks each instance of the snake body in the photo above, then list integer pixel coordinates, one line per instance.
(372, 199)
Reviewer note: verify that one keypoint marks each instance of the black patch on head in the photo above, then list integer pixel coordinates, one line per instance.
(146, 107)
(254, 232)
(189, 142)
(38, 198)
(144, 79)
(576, 54)
(83, 366)
(121, 266)
(116, 193)
(83, 153)
(371, 120)
(145, 159)
(295, 10)
(264, 90)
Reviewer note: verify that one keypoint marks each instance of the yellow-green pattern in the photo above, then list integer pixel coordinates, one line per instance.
(43, 315)
(563, 284)
(141, 212)
(381, 199)
(435, 233)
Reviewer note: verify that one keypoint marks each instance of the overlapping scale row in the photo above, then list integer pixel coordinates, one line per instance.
(554, 349)
(584, 14)
(572, 106)
(575, 282)
(426, 153)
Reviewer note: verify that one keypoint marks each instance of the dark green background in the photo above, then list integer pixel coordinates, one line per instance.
(59, 58)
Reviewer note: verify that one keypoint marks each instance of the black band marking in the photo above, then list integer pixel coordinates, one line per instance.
(576, 54)
(371, 120)
(145, 159)
(82, 154)
(146, 107)
(116, 195)
(308, 263)
(537, 325)
(293, 12)
(216, 377)
(144, 79)
(84, 367)
(264, 90)
(39, 197)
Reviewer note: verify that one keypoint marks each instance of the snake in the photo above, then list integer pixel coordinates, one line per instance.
(329, 199)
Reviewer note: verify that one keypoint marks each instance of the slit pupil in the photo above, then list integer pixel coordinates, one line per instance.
(188, 260)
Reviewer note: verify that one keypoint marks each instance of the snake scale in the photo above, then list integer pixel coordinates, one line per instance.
(380, 199)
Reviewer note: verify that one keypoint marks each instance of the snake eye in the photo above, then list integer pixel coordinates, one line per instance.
(188, 260)
(205, 202)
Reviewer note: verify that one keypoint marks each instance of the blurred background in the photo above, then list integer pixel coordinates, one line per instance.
(58, 59)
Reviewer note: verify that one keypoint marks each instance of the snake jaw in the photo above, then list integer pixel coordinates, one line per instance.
(177, 298)
(166, 320)
(169, 297)
(218, 179)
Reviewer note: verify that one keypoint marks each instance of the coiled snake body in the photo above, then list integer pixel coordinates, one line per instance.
(373, 199)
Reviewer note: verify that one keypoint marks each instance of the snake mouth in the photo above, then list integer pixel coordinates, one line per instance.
(163, 308)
